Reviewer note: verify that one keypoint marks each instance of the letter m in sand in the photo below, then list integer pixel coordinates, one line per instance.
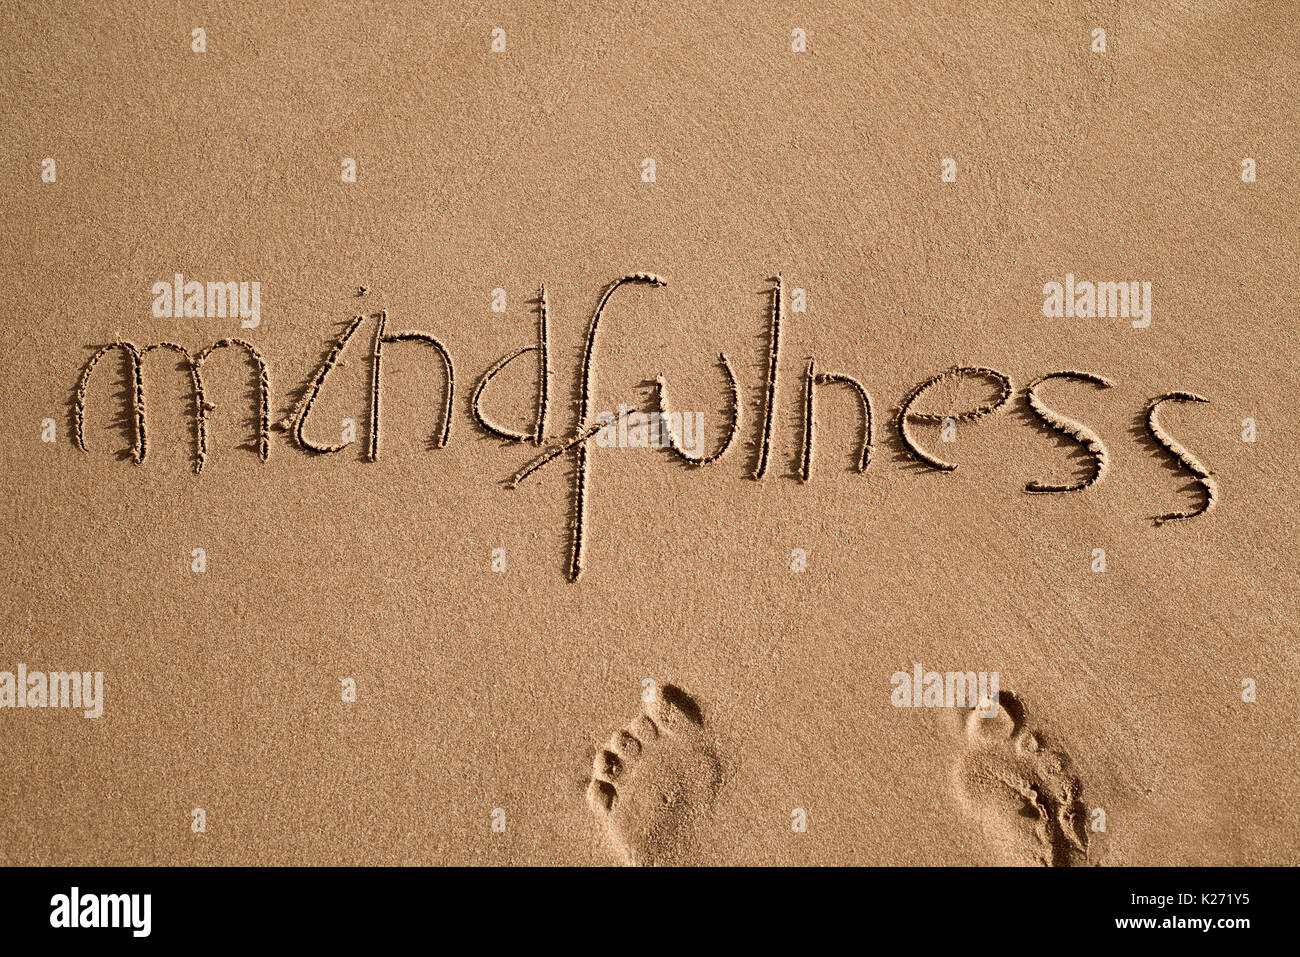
(135, 363)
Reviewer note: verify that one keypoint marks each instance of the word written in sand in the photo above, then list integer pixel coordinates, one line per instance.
(677, 437)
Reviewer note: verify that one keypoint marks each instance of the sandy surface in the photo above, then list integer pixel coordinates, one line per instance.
(479, 690)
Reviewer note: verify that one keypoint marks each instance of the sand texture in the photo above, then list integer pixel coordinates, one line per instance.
(390, 575)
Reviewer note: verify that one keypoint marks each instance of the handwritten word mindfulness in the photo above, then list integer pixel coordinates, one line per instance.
(589, 428)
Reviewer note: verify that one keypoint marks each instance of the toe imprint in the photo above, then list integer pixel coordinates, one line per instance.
(609, 765)
(625, 743)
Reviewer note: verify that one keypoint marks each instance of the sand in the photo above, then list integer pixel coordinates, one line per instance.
(718, 683)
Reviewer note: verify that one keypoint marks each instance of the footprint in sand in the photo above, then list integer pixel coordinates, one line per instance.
(655, 779)
(1024, 793)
